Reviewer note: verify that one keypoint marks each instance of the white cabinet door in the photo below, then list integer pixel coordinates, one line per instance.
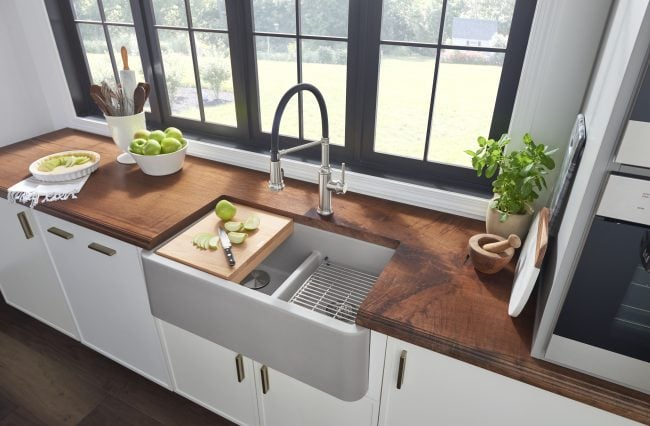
(285, 401)
(288, 402)
(209, 375)
(439, 390)
(27, 277)
(104, 281)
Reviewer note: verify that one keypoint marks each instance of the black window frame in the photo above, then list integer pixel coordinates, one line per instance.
(363, 46)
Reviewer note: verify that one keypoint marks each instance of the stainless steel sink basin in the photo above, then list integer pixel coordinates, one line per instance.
(301, 323)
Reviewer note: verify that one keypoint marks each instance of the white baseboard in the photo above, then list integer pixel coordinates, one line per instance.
(421, 196)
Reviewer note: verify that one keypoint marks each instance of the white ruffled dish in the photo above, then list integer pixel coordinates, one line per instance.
(61, 174)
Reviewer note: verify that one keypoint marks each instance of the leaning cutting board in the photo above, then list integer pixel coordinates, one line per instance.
(273, 231)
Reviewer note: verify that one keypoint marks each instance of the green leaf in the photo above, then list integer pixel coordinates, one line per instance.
(492, 168)
(548, 162)
(470, 152)
(481, 141)
(503, 216)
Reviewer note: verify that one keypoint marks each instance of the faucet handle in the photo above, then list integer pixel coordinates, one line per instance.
(342, 187)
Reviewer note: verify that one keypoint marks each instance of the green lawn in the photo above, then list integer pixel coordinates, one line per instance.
(463, 105)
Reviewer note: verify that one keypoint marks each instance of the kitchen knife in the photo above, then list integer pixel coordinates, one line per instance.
(227, 246)
(127, 79)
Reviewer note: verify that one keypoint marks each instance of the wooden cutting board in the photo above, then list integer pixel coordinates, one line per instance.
(273, 231)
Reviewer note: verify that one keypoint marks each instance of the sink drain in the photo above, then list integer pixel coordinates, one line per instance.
(257, 279)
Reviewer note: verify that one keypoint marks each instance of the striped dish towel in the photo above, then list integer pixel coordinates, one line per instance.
(31, 191)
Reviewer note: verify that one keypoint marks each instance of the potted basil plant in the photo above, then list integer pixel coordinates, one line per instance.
(521, 177)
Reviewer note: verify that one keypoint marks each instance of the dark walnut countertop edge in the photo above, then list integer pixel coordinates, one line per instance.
(387, 309)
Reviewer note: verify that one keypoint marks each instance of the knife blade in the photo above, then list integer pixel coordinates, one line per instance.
(227, 246)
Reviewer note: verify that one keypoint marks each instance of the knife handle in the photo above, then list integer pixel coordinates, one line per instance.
(230, 257)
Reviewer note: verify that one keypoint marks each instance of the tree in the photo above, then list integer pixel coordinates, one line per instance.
(215, 74)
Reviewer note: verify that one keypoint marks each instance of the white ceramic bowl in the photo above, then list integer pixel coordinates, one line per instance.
(161, 164)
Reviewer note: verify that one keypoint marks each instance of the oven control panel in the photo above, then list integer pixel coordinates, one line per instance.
(626, 199)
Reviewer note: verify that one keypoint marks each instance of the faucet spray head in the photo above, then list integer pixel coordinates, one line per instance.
(276, 181)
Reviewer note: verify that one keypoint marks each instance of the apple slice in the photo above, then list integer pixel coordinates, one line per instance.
(252, 222)
(237, 237)
(233, 226)
(213, 243)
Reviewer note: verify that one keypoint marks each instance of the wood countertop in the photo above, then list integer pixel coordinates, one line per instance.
(428, 295)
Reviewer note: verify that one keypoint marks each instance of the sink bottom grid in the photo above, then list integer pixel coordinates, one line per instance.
(334, 290)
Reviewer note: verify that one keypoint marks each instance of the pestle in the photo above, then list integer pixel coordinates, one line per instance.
(500, 246)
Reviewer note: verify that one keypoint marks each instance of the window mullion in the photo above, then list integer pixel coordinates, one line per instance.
(427, 140)
(109, 44)
(522, 18)
(244, 81)
(195, 61)
(144, 47)
(369, 72)
(148, 42)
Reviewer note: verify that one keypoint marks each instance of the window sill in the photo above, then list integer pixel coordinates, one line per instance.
(403, 192)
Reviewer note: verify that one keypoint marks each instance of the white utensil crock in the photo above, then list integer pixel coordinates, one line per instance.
(122, 130)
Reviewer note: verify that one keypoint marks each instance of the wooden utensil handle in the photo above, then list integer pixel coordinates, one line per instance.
(499, 246)
(125, 57)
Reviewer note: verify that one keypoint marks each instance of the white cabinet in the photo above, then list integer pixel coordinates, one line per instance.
(438, 390)
(253, 394)
(285, 401)
(104, 281)
(288, 402)
(28, 279)
(211, 375)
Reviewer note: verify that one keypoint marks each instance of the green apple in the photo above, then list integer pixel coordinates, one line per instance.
(173, 132)
(157, 135)
(142, 134)
(137, 145)
(169, 145)
(225, 210)
(152, 147)
(183, 142)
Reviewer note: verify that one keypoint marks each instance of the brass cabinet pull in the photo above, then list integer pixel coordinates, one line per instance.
(239, 363)
(265, 379)
(102, 249)
(60, 233)
(24, 223)
(400, 371)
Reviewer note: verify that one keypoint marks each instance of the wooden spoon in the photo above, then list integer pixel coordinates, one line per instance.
(100, 103)
(139, 98)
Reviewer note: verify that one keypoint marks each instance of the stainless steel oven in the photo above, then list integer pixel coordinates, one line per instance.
(604, 325)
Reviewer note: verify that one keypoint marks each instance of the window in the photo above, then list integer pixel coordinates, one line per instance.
(409, 84)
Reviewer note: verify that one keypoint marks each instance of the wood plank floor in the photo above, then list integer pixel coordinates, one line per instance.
(47, 378)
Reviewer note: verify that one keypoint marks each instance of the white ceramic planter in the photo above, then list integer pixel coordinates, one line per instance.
(517, 224)
(122, 130)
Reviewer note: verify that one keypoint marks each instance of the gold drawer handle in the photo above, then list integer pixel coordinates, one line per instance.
(400, 371)
(60, 233)
(265, 379)
(24, 223)
(239, 364)
(102, 249)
